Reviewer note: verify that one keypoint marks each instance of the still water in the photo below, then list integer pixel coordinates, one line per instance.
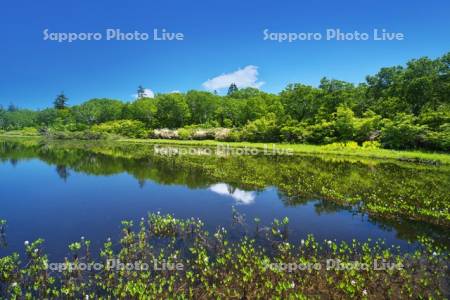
(60, 192)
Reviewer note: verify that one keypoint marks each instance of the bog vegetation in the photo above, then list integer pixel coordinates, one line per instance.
(401, 107)
(210, 265)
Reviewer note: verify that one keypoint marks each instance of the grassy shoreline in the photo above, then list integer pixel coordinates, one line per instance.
(408, 156)
(413, 156)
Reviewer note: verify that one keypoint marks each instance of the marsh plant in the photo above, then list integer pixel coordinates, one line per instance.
(217, 267)
(3, 233)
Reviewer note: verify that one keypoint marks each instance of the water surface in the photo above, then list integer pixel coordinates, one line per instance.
(62, 191)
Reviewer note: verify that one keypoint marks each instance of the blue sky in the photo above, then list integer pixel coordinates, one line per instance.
(221, 37)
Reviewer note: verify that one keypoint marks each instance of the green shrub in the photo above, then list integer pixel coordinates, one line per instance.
(351, 145)
(90, 135)
(435, 119)
(371, 145)
(321, 133)
(227, 123)
(344, 123)
(26, 131)
(78, 135)
(264, 129)
(228, 135)
(126, 128)
(292, 132)
(438, 140)
(69, 127)
(368, 127)
(235, 136)
(402, 132)
(185, 133)
(31, 131)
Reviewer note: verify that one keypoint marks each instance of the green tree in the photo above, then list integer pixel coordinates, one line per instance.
(233, 88)
(231, 112)
(419, 84)
(402, 132)
(423, 84)
(96, 111)
(254, 108)
(12, 108)
(18, 119)
(345, 123)
(202, 106)
(47, 116)
(57, 118)
(368, 127)
(140, 92)
(60, 101)
(172, 110)
(244, 93)
(434, 118)
(334, 93)
(143, 110)
(300, 101)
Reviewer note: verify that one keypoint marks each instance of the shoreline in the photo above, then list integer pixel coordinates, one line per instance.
(420, 157)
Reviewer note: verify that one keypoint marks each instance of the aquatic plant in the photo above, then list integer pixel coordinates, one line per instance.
(2, 225)
(3, 242)
(187, 262)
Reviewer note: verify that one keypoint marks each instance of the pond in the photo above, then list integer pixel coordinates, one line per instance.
(60, 191)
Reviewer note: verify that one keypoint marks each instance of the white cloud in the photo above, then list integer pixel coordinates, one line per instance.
(148, 93)
(246, 77)
(242, 197)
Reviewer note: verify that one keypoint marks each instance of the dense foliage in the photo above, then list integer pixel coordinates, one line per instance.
(401, 107)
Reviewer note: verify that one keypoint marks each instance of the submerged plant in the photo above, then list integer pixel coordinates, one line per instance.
(3, 242)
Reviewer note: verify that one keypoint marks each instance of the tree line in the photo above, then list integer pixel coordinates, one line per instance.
(402, 107)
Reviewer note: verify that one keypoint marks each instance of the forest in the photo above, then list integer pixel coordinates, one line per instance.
(400, 107)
